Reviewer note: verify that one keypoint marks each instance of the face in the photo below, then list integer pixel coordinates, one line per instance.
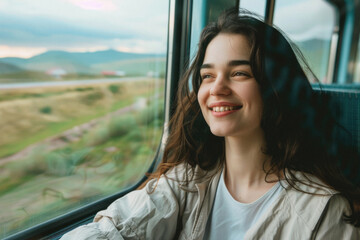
(229, 95)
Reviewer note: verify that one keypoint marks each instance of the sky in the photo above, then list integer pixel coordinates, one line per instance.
(299, 19)
(31, 27)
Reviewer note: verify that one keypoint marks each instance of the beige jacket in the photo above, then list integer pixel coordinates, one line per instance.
(178, 211)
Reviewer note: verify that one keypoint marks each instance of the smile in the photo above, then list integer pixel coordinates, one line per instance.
(225, 108)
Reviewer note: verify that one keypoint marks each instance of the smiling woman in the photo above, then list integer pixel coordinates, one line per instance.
(228, 82)
(248, 155)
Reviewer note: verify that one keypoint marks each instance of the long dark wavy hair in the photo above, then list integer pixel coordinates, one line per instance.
(299, 126)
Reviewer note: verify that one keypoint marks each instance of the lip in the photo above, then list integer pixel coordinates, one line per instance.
(225, 113)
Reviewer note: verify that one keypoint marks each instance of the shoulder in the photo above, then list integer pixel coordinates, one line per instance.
(187, 178)
(307, 190)
(319, 207)
(332, 224)
(154, 211)
(308, 197)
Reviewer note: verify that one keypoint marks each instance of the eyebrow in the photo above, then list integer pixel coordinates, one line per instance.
(231, 63)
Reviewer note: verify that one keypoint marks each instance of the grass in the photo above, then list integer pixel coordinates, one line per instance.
(39, 76)
(136, 67)
(90, 109)
(113, 172)
(11, 184)
(111, 155)
(51, 129)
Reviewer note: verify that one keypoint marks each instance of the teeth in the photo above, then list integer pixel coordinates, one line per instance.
(223, 108)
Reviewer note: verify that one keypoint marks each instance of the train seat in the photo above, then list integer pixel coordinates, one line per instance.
(347, 100)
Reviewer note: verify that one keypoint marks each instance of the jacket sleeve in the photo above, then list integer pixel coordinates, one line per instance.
(141, 214)
(333, 225)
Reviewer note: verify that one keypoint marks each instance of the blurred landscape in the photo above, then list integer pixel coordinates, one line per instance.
(67, 145)
(56, 65)
(81, 102)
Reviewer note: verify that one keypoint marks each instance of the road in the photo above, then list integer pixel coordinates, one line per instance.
(4, 86)
(63, 139)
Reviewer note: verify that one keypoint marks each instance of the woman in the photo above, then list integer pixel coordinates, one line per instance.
(247, 155)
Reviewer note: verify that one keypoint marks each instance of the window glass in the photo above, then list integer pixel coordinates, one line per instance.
(81, 102)
(309, 24)
(255, 6)
(357, 66)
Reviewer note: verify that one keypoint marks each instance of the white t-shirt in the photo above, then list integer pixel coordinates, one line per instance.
(230, 219)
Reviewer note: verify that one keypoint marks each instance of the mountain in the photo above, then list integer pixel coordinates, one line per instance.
(6, 68)
(136, 67)
(13, 61)
(75, 62)
(89, 58)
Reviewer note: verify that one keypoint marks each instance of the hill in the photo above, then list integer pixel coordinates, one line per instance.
(89, 58)
(78, 62)
(6, 68)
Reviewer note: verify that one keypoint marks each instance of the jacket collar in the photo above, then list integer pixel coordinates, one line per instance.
(291, 203)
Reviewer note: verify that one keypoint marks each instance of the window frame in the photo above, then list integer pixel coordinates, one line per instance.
(179, 26)
(348, 35)
(345, 33)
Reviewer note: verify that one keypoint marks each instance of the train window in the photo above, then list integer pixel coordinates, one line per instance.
(255, 6)
(310, 24)
(81, 102)
(357, 66)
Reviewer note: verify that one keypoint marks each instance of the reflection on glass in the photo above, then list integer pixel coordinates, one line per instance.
(81, 102)
(308, 23)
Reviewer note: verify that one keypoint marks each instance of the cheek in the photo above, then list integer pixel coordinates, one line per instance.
(253, 97)
(202, 97)
(251, 94)
(257, 100)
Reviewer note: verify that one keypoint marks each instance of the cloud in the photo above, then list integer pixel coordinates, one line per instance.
(140, 46)
(103, 5)
(92, 24)
(23, 52)
(41, 29)
(301, 20)
(255, 6)
(306, 20)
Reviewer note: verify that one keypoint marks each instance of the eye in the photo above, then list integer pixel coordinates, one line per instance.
(205, 76)
(240, 74)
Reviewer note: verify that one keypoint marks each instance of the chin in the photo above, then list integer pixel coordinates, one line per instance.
(219, 132)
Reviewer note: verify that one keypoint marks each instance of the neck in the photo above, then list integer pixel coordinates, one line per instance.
(244, 157)
(245, 164)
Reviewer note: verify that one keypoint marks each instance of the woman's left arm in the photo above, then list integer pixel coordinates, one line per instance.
(332, 225)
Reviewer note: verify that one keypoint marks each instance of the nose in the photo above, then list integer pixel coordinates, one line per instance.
(220, 86)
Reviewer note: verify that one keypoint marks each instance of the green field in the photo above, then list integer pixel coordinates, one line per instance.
(73, 145)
